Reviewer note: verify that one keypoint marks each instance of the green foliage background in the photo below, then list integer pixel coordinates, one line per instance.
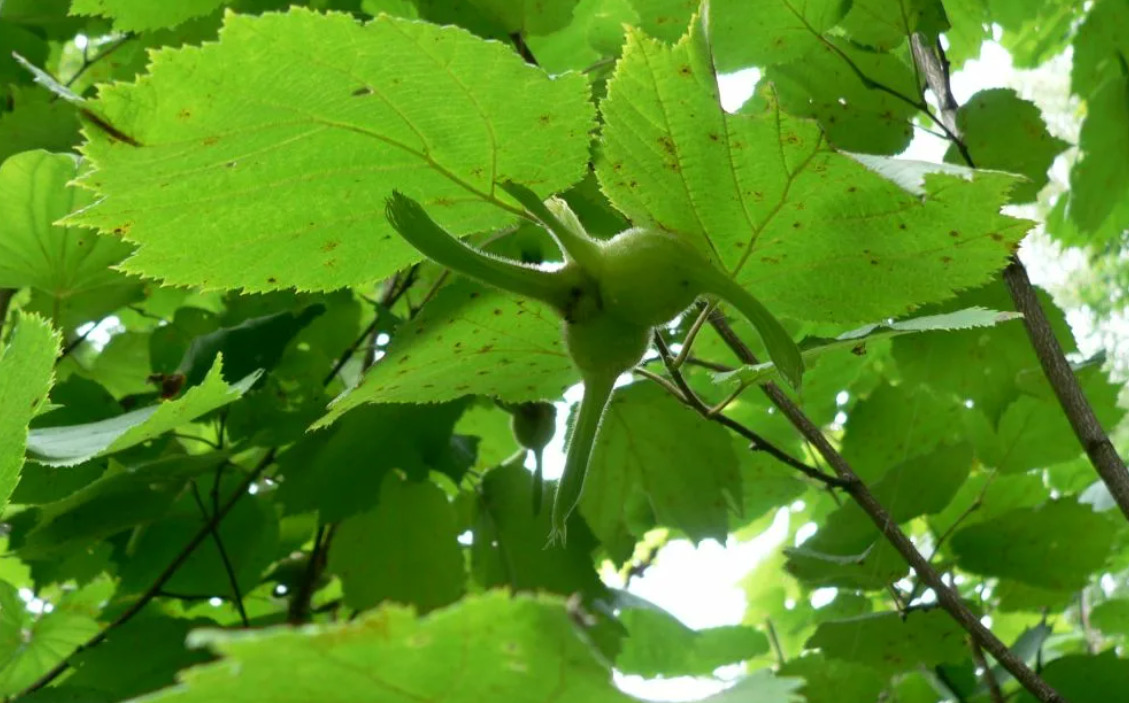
(296, 420)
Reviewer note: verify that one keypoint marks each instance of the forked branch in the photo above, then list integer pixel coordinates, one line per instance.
(888, 527)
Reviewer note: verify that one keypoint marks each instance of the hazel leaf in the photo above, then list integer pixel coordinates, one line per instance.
(74, 444)
(27, 370)
(243, 179)
(468, 340)
(814, 234)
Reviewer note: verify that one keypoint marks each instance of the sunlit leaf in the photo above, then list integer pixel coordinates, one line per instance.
(294, 172)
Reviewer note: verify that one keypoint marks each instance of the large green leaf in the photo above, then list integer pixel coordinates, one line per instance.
(509, 547)
(890, 642)
(405, 550)
(339, 472)
(1033, 432)
(256, 344)
(1005, 132)
(855, 117)
(657, 644)
(896, 423)
(1100, 180)
(63, 262)
(112, 503)
(857, 339)
(152, 643)
(487, 647)
(249, 534)
(31, 644)
(921, 486)
(27, 370)
(1111, 617)
(761, 686)
(74, 444)
(140, 15)
(1058, 545)
(767, 32)
(657, 462)
(1101, 39)
(503, 16)
(981, 365)
(469, 341)
(1086, 679)
(293, 172)
(765, 196)
(885, 24)
(36, 121)
(595, 33)
(828, 680)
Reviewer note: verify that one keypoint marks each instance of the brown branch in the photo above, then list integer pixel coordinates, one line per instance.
(88, 62)
(523, 49)
(236, 594)
(946, 596)
(757, 443)
(299, 609)
(1093, 438)
(997, 696)
(154, 590)
(397, 288)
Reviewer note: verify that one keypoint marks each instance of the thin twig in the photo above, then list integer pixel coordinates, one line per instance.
(1093, 438)
(88, 62)
(299, 611)
(948, 599)
(350, 351)
(227, 567)
(725, 402)
(707, 364)
(692, 334)
(668, 386)
(398, 288)
(972, 507)
(772, 638)
(204, 440)
(757, 442)
(6, 295)
(523, 49)
(155, 589)
(1089, 635)
(997, 695)
(74, 343)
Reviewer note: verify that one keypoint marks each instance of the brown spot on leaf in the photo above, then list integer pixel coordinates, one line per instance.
(363, 90)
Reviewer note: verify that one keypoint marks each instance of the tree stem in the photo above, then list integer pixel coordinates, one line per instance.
(1093, 438)
(946, 596)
